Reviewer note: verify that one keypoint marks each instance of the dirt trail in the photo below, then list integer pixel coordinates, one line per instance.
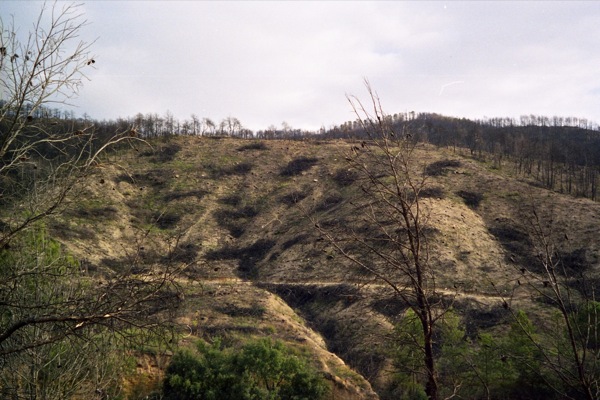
(484, 298)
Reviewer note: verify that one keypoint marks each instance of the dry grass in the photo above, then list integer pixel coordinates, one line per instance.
(239, 211)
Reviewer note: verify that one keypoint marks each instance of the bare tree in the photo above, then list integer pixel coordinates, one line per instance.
(46, 301)
(208, 127)
(47, 67)
(195, 124)
(570, 348)
(230, 126)
(387, 238)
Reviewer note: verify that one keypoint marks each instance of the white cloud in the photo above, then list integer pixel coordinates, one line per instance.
(266, 62)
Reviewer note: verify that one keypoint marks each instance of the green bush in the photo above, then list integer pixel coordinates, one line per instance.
(262, 369)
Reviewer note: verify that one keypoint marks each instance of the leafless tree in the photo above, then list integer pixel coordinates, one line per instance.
(570, 348)
(208, 127)
(387, 237)
(47, 303)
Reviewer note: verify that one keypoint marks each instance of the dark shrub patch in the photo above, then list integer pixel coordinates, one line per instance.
(299, 165)
(140, 213)
(253, 146)
(302, 296)
(112, 263)
(298, 239)
(166, 153)
(329, 202)
(167, 220)
(224, 216)
(4, 227)
(516, 241)
(217, 171)
(232, 310)
(241, 169)
(294, 295)
(184, 252)
(330, 223)
(181, 195)
(235, 220)
(157, 178)
(236, 230)
(390, 307)
(224, 253)
(586, 285)
(123, 178)
(471, 199)
(345, 177)
(233, 200)
(67, 231)
(163, 153)
(253, 254)
(106, 212)
(248, 256)
(434, 192)
(482, 319)
(441, 167)
(506, 230)
(576, 261)
(293, 198)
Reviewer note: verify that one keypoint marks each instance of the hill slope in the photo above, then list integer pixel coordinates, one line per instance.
(235, 214)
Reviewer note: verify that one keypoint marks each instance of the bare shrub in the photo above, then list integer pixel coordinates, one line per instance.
(299, 165)
(345, 177)
(439, 168)
(253, 146)
(471, 199)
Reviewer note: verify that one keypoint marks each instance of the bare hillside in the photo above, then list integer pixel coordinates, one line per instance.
(239, 217)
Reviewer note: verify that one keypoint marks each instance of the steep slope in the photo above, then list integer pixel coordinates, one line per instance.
(238, 216)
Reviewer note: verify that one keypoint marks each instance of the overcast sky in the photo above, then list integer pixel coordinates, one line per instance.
(269, 62)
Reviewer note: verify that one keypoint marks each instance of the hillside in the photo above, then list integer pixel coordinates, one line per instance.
(239, 217)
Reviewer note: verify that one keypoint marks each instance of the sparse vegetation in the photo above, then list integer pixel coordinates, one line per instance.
(166, 220)
(441, 167)
(248, 256)
(345, 177)
(471, 199)
(298, 166)
(233, 200)
(291, 199)
(165, 153)
(434, 192)
(254, 146)
(177, 195)
(234, 220)
(425, 274)
(329, 202)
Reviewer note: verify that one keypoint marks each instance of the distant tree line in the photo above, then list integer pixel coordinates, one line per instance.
(386, 236)
(560, 153)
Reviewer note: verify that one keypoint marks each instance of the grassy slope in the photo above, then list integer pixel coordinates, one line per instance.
(228, 214)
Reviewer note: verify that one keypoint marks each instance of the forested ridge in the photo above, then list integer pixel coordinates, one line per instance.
(561, 154)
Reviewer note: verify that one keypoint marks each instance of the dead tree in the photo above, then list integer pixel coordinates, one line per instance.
(387, 238)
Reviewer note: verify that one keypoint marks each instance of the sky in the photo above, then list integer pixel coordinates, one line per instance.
(269, 62)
